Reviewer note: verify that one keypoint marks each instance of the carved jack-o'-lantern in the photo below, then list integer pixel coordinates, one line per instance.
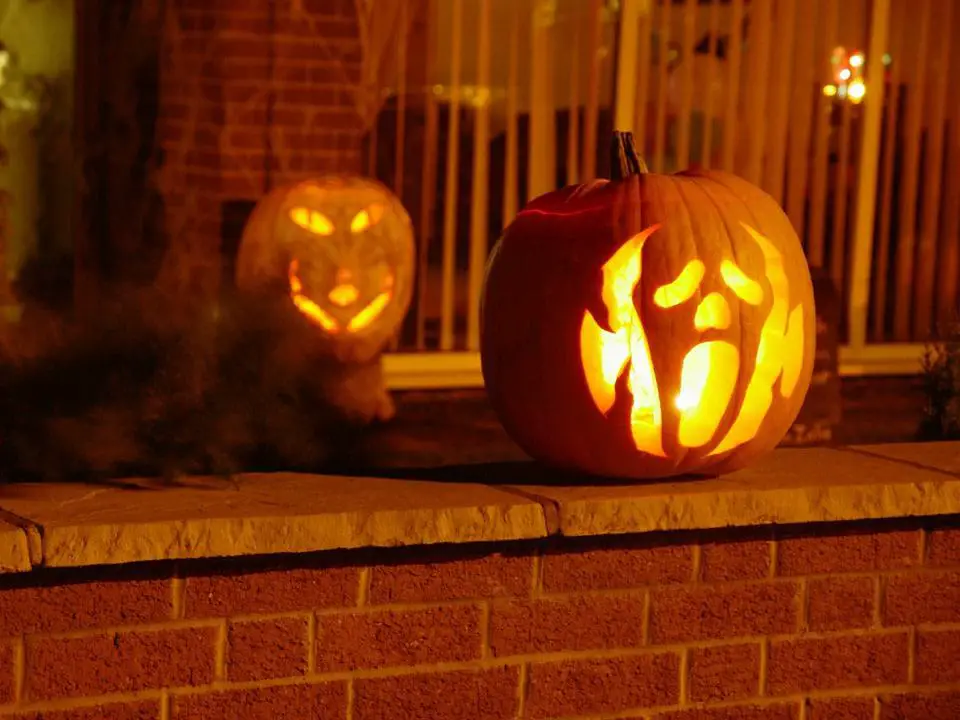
(649, 325)
(342, 248)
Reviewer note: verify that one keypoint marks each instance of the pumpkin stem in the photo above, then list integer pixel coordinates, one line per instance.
(624, 158)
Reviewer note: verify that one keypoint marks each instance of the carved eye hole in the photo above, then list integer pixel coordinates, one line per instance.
(311, 220)
(366, 219)
(681, 289)
(743, 286)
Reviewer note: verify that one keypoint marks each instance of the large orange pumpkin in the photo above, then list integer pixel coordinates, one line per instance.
(342, 248)
(648, 325)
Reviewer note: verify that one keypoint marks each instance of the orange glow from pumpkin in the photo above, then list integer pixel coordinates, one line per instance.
(681, 289)
(321, 317)
(307, 306)
(343, 295)
(745, 288)
(312, 221)
(366, 219)
(711, 370)
(605, 354)
(779, 354)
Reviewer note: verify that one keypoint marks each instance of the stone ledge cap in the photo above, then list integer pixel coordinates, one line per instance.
(261, 514)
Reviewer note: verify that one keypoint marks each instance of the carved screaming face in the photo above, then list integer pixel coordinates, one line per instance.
(650, 325)
(344, 249)
(711, 368)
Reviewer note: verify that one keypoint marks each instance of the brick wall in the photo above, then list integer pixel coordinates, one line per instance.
(681, 627)
(247, 84)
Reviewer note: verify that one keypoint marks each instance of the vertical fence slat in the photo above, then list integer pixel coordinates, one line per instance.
(644, 49)
(481, 178)
(625, 98)
(448, 274)
(591, 120)
(512, 146)
(757, 119)
(801, 116)
(429, 180)
(730, 119)
(686, 83)
(948, 282)
(541, 157)
(821, 140)
(573, 116)
(786, 20)
(399, 147)
(887, 177)
(713, 23)
(933, 164)
(838, 234)
(866, 190)
(906, 240)
(660, 136)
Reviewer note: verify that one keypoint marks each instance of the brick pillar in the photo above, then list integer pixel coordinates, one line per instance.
(248, 85)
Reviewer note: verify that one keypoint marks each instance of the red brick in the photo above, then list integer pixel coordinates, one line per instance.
(622, 567)
(81, 606)
(923, 597)
(147, 710)
(859, 708)
(7, 674)
(938, 657)
(840, 603)
(738, 712)
(722, 561)
(262, 649)
(943, 548)
(349, 641)
(724, 672)
(274, 591)
(486, 577)
(921, 706)
(849, 553)
(482, 695)
(837, 662)
(119, 662)
(582, 687)
(577, 623)
(711, 613)
(289, 702)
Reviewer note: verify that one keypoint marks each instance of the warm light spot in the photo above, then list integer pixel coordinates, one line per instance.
(371, 312)
(681, 289)
(301, 216)
(605, 354)
(366, 219)
(714, 365)
(305, 305)
(343, 295)
(856, 60)
(312, 221)
(829, 90)
(713, 312)
(792, 353)
(772, 351)
(844, 74)
(856, 90)
(745, 288)
(319, 224)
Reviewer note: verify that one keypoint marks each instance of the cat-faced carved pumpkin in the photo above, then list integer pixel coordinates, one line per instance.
(342, 249)
(650, 325)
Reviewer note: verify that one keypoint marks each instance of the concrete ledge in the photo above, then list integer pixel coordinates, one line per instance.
(70, 525)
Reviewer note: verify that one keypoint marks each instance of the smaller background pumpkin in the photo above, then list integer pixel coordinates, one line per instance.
(342, 249)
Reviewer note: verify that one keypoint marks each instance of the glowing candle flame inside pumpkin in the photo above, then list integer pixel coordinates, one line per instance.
(713, 364)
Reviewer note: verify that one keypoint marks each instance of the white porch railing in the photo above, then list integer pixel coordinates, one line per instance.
(839, 110)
